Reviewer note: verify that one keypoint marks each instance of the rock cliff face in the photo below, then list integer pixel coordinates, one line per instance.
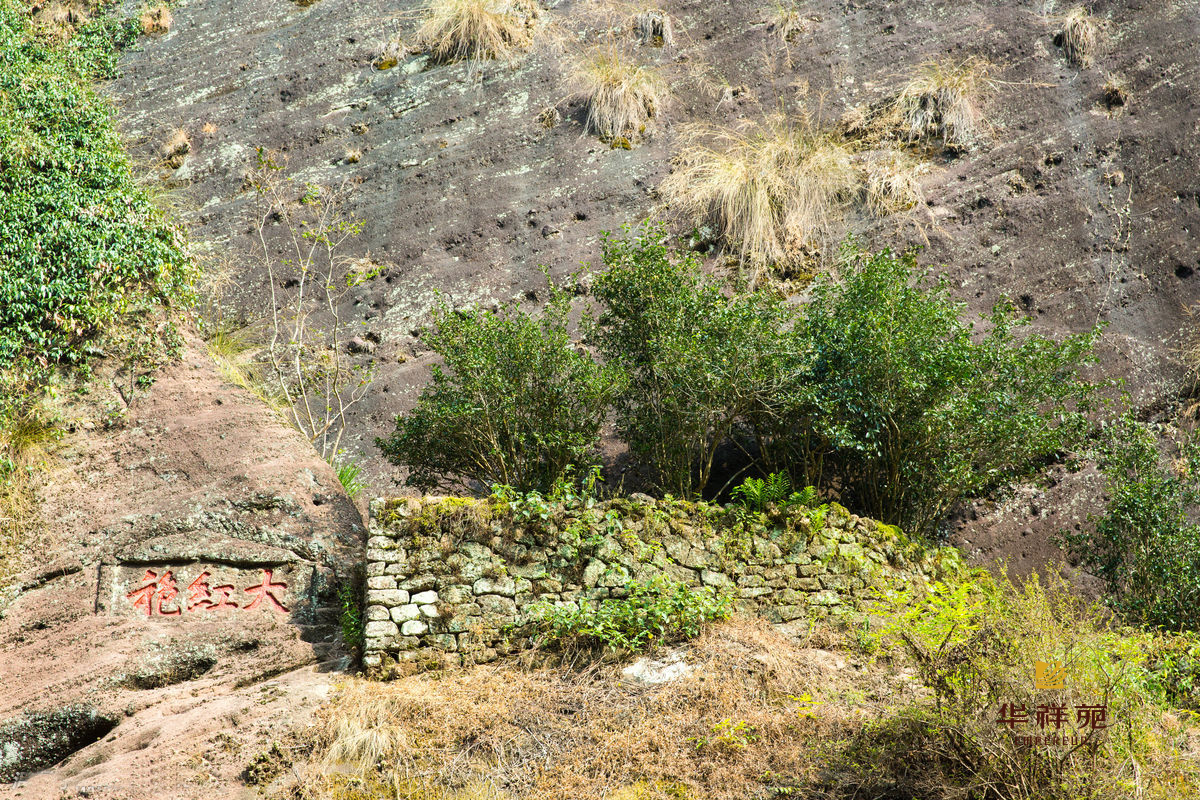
(190, 539)
(1079, 208)
(452, 580)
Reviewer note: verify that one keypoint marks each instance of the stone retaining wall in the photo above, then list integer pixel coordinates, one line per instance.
(452, 579)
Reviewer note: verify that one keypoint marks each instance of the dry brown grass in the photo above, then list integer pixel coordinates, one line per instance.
(58, 20)
(653, 26)
(891, 178)
(622, 96)
(156, 20)
(773, 192)
(454, 30)
(175, 149)
(943, 101)
(1078, 37)
(24, 449)
(557, 732)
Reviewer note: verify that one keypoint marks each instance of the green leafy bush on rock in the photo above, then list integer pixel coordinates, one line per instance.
(516, 402)
(80, 242)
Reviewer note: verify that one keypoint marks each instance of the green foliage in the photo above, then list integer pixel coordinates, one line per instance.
(757, 493)
(909, 406)
(698, 360)
(728, 736)
(516, 403)
(656, 611)
(567, 491)
(80, 243)
(974, 644)
(1146, 544)
(348, 473)
(350, 616)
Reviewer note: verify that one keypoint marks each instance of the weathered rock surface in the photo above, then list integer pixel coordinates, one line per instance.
(1079, 212)
(190, 552)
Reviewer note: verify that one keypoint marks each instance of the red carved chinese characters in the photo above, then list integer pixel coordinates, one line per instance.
(265, 590)
(158, 592)
(154, 592)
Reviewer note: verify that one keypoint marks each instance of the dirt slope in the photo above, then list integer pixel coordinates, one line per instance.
(193, 476)
(1080, 212)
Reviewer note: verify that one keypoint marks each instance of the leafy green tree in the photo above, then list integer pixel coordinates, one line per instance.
(1146, 544)
(516, 403)
(906, 407)
(698, 359)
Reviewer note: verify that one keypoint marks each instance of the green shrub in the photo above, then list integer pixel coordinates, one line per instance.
(974, 645)
(516, 404)
(907, 407)
(656, 611)
(350, 616)
(80, 243)
(698, 359)
(1146, 544)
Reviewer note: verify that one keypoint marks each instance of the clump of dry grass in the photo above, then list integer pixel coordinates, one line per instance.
(478, 29)
(175, 149)
(1078, 37)
(771, 192)
(891, 181)
(622, 96)
(156, 20)
(942, 101)
(787, 22)
(1116, 91)
(58, 20)
(654, 27)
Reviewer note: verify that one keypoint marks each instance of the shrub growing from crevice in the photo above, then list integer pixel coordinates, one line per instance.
(1146, 542)
(657, 611)
(697, 359)
(514, 403)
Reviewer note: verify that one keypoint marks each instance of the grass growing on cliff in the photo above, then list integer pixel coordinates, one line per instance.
(1078, 36)
(456, 30)
(942, 101)
(622, 96)
(771, 192)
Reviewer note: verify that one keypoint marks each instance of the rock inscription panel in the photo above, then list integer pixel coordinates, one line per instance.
(199, 589)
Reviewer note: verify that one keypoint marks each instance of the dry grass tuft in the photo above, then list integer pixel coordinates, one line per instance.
(58, 20)
(1116, 91)
(156, 20)
(787, 22)
(654, 27)
(942, 101)
(892, 185)
(772, 192)
(478, 29)
(1079, 36)
(175, 149)
(622, 96)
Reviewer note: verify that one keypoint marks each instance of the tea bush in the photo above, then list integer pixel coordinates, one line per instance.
(699, 360)
(514, 404)
(79, 241)
(1146, 543)
(657, 611)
